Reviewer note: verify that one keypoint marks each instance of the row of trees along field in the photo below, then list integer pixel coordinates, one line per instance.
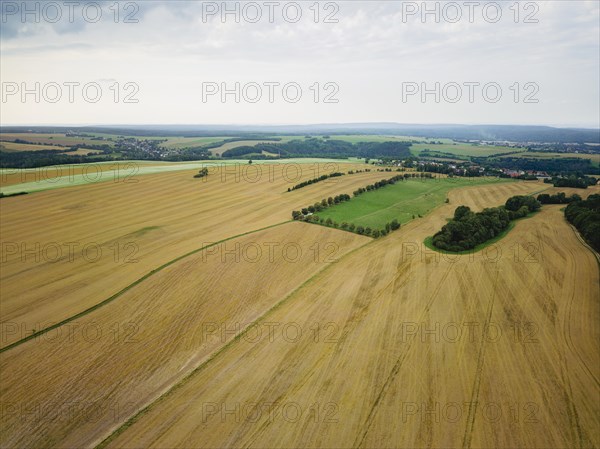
(331, 175)
(578, 181)
(351, 227)
(315, 180)
(585, 216)
(559, 198)
(468, 229)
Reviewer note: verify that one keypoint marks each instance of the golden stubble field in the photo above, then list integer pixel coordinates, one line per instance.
(66, 250)
(116, 360)
(376, 344)
(498, 349)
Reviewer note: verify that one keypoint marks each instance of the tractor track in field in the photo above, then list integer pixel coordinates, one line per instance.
(399, 362)
(477, 382)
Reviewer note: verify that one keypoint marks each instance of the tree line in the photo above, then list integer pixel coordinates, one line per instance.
(315, 180)
(351, 227)
(468, 229)
(7, 195)
(559, 198)
(585, 216)
(578, 181)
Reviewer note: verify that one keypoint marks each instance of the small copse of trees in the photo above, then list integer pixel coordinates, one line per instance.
(202, 173)
(468, 229)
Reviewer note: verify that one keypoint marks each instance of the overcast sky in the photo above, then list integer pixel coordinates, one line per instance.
(373, 58)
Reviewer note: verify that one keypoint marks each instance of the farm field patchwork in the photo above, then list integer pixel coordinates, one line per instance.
(309, 225)
(173, 321)
(388, 304)
(179, 345)
(161, 217)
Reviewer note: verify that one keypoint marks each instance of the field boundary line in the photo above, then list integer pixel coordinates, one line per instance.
(171, 389)
(129, 287)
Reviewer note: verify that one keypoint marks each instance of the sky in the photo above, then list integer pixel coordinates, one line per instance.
(305, 62)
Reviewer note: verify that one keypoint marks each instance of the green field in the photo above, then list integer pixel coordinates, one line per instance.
(463, 149)
(399, 201)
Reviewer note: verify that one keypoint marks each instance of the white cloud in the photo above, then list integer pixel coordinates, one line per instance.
(369, 53)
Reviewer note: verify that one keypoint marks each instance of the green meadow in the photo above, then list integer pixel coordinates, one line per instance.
(400, 201)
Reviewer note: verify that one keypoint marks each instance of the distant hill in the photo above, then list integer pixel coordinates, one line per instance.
(512, 133)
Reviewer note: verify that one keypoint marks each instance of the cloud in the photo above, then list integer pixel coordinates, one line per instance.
(369, 50)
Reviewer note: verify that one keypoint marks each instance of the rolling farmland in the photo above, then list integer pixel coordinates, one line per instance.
(175, 354)
(300, 225)
(57, 281)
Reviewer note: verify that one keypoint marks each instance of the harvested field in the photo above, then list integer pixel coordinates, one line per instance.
(356, 343)
(75, 254)
(395, 373)
(157, 332)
